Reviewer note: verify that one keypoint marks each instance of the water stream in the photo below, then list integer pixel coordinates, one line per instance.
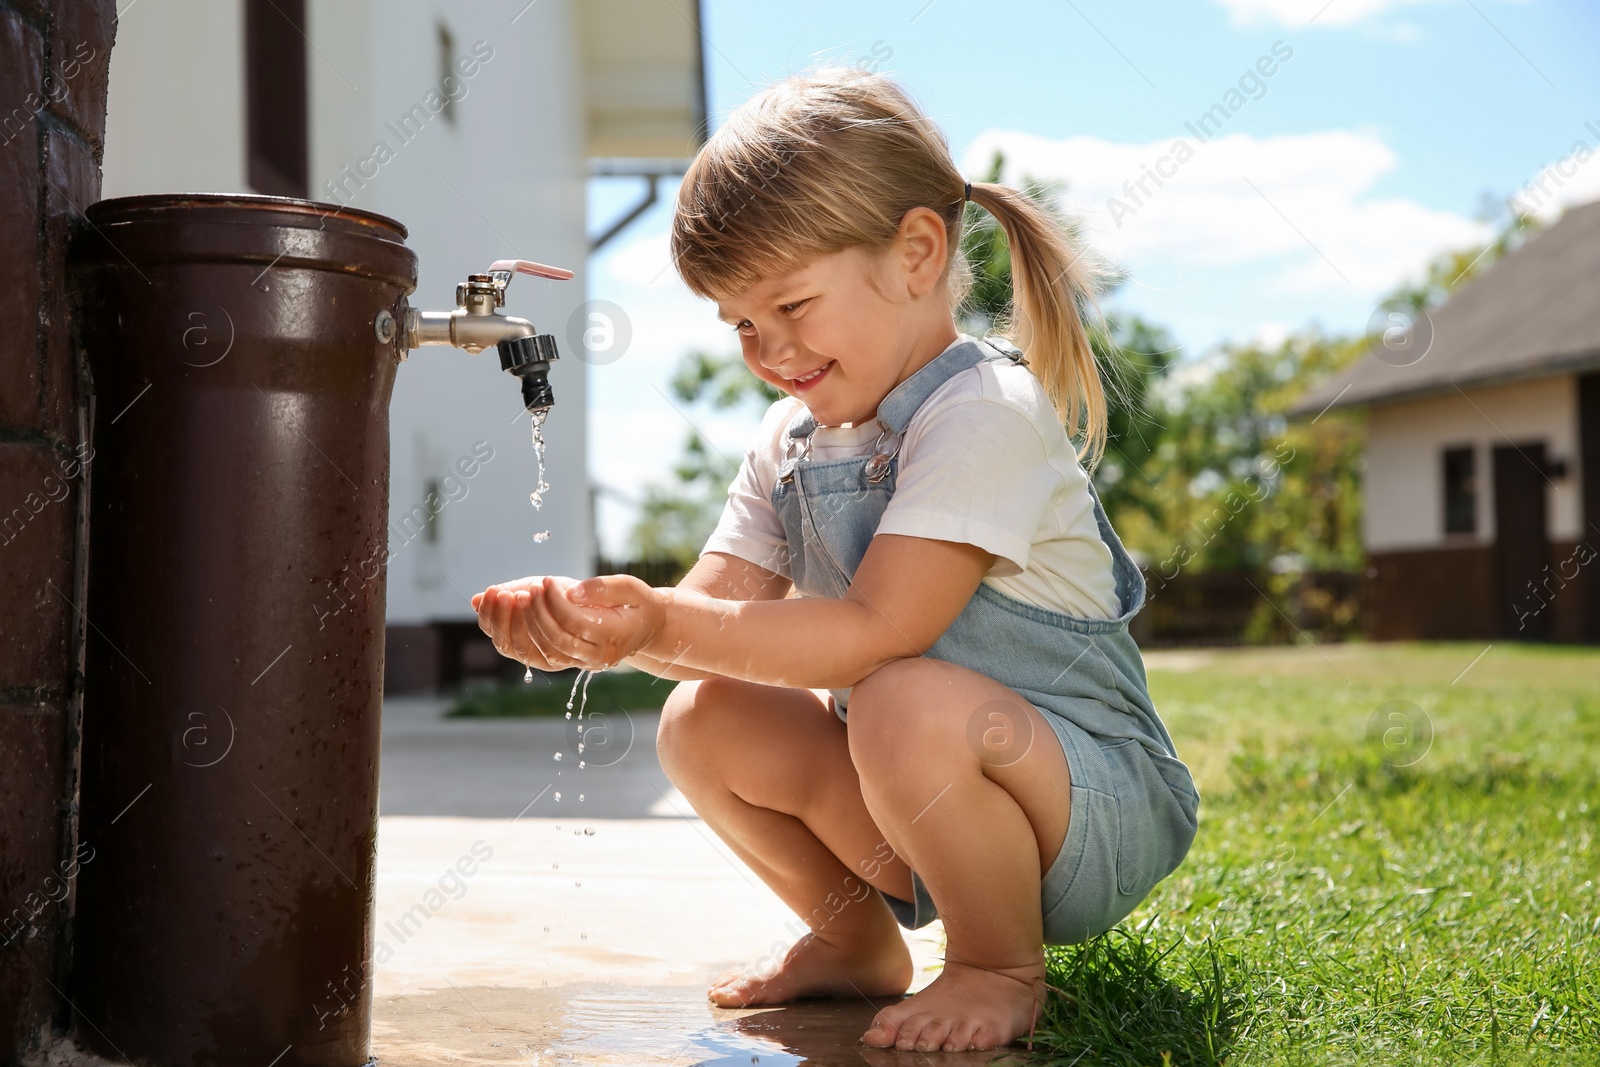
(537, 498)
(541, 486)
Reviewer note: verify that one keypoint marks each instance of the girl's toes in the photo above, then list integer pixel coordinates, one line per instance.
(933, 1035)
(910, 1030)
(730, 985)
(960, 1037)
(986, 1037)
(880, 1034)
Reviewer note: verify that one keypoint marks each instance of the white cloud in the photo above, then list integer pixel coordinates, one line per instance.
(1328, 13)
(1302, 12)
(1574, 178)
(1300, 204)
(1270, 334)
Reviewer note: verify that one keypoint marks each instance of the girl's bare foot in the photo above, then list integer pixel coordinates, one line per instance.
(965, 1007)
(822, 965)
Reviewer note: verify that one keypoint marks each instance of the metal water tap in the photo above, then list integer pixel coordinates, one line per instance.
(476, 324)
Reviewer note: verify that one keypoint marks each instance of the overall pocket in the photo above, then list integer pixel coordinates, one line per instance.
(1157, 814)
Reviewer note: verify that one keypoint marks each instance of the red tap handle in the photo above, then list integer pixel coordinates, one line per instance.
(525, 266)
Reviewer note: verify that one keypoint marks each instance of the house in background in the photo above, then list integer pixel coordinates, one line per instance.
(478, 127)
(1482, 478)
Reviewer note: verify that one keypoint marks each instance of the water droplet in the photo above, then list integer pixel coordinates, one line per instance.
(558, 755)
(542, 536)
(558, 796)
(528, 677)
(569, 714)
(555, 866)
(580, 801)
(581, 765)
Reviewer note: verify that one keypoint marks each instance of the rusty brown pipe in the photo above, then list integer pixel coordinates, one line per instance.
(243, 351)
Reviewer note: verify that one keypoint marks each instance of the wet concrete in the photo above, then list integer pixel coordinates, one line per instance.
(632, 1026)
(566, 933)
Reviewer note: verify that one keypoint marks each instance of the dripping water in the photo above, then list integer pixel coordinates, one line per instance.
(581, 697)
(541, 486)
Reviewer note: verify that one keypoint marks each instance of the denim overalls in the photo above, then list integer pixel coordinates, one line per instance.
(1133, 803)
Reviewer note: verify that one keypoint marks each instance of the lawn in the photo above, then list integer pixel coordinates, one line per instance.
(1396, 864)
(619, 689)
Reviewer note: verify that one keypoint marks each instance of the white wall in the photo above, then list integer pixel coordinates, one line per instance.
(1404, 474)
(175, 116)
(506, 180)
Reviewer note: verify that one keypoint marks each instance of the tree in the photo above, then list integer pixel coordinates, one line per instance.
(674, 522)
(1234, 484)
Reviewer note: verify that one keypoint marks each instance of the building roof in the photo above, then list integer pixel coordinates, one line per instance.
(644, 79)
(1536, 312)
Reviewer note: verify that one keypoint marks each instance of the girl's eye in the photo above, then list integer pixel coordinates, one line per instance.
(744, 326)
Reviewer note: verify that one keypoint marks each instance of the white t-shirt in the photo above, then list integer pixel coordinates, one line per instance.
(984, 461)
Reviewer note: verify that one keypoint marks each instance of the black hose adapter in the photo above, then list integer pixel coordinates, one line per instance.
(529, 358)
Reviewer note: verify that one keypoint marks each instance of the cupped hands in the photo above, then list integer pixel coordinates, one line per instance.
(552, 623)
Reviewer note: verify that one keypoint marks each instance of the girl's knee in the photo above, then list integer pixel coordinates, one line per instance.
(883, 701)
(690, 703)
(689, 716)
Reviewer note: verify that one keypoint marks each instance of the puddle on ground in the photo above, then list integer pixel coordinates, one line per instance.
(630, 1026)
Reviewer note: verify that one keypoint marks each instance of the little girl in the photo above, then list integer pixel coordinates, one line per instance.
(907, 685)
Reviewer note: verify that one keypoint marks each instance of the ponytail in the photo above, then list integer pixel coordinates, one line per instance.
(1053, 289)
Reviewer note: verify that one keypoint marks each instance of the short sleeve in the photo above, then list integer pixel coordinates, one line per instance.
(976, 472)
(749, 527)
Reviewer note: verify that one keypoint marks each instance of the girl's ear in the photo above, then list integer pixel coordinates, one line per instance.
(922, 249)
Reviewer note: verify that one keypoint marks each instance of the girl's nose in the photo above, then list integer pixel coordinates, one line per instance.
(776, 353)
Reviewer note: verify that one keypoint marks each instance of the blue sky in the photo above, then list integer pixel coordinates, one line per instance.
(1391, 132)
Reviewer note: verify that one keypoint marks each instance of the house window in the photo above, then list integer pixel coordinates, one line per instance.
(433, 503)
(447, 74)
(276, 151)
(1460, 491)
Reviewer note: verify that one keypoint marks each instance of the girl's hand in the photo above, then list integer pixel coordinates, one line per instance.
(601, 621)
(502, 613)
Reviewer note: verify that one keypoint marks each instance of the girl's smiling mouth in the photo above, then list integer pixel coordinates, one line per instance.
(806, 381)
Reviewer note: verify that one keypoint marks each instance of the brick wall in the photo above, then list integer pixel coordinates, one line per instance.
(54, 61)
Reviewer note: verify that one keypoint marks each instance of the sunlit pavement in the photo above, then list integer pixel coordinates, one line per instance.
(515, 927)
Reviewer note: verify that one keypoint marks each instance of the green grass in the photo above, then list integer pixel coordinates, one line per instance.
(1360, 892)
(619, 689)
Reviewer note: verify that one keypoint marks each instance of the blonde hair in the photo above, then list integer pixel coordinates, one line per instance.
(833, 159)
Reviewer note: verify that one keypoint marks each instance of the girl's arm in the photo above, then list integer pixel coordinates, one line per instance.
(508, 613)
(722, 577)
(906, 593)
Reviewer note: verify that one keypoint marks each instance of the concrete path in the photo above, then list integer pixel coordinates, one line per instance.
(505, 768)
(515, 927)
